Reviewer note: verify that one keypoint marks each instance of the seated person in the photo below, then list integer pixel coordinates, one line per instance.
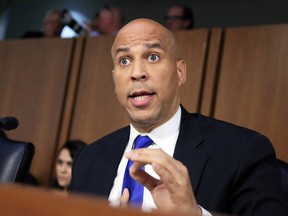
(52, 26)
(179, 17)
(110, 20)
(63, 164)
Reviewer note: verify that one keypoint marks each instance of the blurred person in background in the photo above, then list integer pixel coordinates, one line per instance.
(110, 20)
(52, 26)
(107, 21)
(179, 17)
(64, 163)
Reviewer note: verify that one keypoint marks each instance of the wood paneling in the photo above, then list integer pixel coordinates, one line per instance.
(253, 83)
(33, 79)
(193, 50)
(211, 75)
(18, 200)
(72, 88)
(97, 111)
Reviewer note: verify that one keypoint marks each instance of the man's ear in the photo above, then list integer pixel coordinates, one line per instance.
(181, 72)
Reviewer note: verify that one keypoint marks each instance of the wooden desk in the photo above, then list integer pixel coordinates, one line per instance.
(20, 200)
(16, 200)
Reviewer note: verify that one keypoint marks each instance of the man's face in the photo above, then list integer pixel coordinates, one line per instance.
(105, 21)
(52, 26)
(174, 19)
(147, 75)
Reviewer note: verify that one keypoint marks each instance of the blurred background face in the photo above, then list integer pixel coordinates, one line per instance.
(52, 26)
(105, 21)
(63, 168)
(174, 19)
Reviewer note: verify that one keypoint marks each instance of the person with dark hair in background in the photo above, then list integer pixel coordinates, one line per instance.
(179, 17)
(64, 163)
(52, 26)
(110, 20)
(167, 158)
(107, 21)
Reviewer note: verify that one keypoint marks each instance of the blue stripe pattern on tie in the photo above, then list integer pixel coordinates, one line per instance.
(135, 189)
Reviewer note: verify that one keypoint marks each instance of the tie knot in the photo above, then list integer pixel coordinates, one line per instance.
(142, 142)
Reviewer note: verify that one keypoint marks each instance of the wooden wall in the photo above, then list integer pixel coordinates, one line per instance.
(253, 82)
(63, 89)
(33, 83)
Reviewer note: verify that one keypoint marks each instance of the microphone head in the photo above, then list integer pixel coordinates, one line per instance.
(8, 123)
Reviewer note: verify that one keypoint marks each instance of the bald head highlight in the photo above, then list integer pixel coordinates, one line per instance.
(146, 26)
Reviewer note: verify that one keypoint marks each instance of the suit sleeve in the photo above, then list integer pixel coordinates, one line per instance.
(257, 186)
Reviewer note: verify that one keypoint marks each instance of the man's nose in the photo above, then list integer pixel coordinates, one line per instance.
(139, 71)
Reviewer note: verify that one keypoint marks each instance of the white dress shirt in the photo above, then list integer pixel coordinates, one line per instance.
(164, 137)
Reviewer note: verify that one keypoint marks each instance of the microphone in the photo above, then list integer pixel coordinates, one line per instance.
(8, 123)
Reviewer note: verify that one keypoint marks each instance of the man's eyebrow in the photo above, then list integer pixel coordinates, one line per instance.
(148, 46)
(154, 45)
(123, 49)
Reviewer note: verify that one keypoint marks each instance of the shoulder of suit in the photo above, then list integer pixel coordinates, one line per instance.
(115, 136)
(219, 124)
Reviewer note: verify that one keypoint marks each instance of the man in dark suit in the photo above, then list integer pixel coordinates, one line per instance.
(195, 165)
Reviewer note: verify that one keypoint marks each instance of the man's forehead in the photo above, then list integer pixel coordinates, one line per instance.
(145, 40)
(143, 33)
(140, 41)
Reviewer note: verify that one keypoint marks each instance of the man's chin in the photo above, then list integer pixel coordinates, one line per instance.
(143, 123)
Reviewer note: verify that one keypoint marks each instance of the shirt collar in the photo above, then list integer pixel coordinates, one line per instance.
(161, 134)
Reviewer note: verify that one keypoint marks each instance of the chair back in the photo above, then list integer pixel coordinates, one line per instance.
(15, 160)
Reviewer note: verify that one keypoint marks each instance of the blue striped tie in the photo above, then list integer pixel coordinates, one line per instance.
(135, 189)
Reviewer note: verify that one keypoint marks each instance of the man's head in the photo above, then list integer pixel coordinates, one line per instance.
(179, 17)
(110, 20)
(148, 73)
(52, 23)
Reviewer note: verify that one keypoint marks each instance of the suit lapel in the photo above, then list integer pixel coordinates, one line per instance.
(109, 157)
(189, 148)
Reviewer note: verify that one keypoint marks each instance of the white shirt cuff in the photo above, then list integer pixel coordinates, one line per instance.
(205, 212)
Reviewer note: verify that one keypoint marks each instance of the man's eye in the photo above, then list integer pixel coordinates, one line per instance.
(153, 58)
(124, 61)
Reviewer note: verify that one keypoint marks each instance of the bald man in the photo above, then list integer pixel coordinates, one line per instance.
(195, 164)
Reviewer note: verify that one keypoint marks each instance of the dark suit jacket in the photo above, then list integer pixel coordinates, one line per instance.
(232, 169)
